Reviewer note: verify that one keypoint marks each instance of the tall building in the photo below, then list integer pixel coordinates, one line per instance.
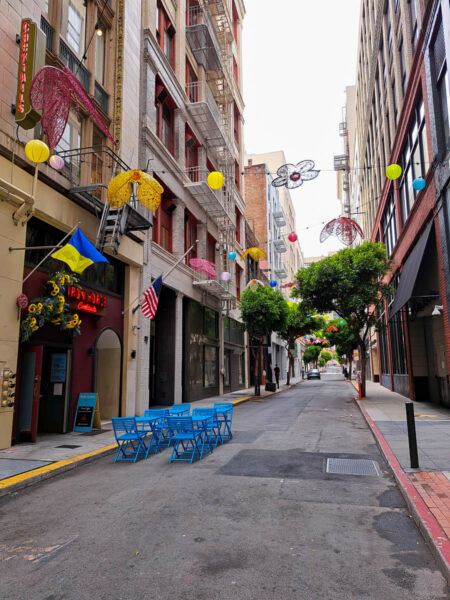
(191, 111)
(54, 366)
(401, 85)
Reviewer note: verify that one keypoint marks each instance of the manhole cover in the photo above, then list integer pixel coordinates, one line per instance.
(71, 446)
(353, 466)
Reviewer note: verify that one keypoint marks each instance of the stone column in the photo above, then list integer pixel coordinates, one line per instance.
(178, 367)
(221, 350)
(179, 138)
(178, 229)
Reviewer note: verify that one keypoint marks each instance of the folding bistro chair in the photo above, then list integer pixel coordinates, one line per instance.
(224, 412)
(184, 434)
(130, 440)
(160, 434)
(212, 426)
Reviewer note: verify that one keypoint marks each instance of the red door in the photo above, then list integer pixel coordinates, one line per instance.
(30, 389)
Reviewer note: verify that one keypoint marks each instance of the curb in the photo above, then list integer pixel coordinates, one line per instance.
(430, 529)
(23, 480)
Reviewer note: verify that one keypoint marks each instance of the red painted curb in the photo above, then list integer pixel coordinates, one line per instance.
(425, 519)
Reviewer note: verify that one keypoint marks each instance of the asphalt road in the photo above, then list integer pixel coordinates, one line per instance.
(258, 519)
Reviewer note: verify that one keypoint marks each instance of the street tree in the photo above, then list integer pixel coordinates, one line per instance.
(350, 283)
(311, 355)
(299, 322)
(262, 311)
(326, 356)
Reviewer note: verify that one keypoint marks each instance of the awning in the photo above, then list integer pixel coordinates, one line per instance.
(410, 271)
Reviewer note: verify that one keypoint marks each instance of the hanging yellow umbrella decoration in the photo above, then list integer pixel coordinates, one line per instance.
(255, 253)
(148, 189)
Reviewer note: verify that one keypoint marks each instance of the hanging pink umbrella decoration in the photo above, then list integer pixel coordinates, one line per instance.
(289, 285)
(52, 91)
(203, 266)
(344, 228)
(332, 328)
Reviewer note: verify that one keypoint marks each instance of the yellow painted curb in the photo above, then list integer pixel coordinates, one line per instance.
(11, 481)
(239, 400)
(356, 388)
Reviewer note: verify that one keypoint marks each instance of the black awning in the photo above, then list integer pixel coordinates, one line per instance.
(410, 271)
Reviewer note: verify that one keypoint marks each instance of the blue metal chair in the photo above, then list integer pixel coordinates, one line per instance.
(160, 434)
(183, 433)
(180, 409)
(130, 440)
(224, 412)
(212, 426)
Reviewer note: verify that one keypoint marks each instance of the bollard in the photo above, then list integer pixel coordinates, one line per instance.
(412, 440)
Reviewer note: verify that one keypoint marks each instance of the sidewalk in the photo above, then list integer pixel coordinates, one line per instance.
(25, 464)
(427, 489)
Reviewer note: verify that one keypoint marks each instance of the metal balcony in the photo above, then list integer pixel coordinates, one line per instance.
(206, 115)
(280, 272)
(343, 128)
(340, 162)
(212, 286)
(213, 201)
(203, 40)
(279, 245)
(71, 60)
(101, 97)
(49, 32)
(279, 218)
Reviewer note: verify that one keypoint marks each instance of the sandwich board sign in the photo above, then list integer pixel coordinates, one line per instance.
(87, 413)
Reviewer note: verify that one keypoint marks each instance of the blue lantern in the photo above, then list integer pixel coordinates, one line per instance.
(341, 322)
(273, 283)
(419, 184)
(232, 255)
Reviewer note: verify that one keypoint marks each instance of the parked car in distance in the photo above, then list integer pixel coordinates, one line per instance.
(313, 374)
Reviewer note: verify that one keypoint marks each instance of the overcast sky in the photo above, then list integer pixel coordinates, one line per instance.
(298, 58)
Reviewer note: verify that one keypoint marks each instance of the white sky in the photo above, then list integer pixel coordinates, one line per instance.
(298, 57)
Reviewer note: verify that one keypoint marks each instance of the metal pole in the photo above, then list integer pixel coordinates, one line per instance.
(48, 254)
(412, 440)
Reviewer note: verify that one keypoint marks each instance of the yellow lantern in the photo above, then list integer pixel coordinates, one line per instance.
(255, 253)
(148, 190)
(37, 151)
(215, 180)
(393, 171)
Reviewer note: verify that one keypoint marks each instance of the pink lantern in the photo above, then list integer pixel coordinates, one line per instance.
(225, 276)
(57, 162)
(293, 237)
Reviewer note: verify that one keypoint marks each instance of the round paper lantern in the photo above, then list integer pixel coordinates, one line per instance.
(393, 171)
(57, 162)
(225, 276)
(293, 237)
(215, 180)
(419, 184)
(341, 322)
(37, 151)
(232, 255)
(273, 283)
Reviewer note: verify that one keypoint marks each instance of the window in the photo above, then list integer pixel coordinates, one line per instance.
(100, 56)
(382, 338)
(235, 22)
(46, 7)
(191, 83)
(164, 116)
(397, 337)
(211, 249)
(237, 175)
(236, 120)
(440, 76)
(97, 175)
(388, 28)
(414, 159)
(162, 223)
(238, 224)
(191, 146)
(211, 366)
(73, 20)
(211, 328)
(238, 281)
(413, 21)
(394, 100)
(235, 71)
(190, 235)
(165, 34)
(71, 139)
(252, 268)
(389, 224)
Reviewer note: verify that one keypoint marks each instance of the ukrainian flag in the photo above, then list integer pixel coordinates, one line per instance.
(79, 253)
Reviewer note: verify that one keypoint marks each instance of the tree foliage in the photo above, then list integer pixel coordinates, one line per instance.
(351, 284)
(263, 310)
(311, 354)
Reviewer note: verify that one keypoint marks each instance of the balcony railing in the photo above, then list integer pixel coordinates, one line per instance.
(72, 61)
(102, 97)
(49, 32)
(280, 245)
(206, 114)
(340, 162)
(203, 39)
(279, 218)
(214, 202)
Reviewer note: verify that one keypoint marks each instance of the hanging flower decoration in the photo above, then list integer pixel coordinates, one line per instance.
(148, 189)
(255, 253)
(344, 228)
(52, 308)
(51, 91)
(293, 176)
(204, 266)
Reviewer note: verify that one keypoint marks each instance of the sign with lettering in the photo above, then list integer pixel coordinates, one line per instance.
(86, 301)
(31, 59)
(84, 416)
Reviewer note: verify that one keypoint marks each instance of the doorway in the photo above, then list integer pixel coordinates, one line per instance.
(108, 373)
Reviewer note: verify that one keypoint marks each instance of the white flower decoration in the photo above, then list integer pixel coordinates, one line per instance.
(292, 176)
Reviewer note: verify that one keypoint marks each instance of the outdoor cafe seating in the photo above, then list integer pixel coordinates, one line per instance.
(191, 436)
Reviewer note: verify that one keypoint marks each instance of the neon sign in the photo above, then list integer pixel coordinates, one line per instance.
(91, 302)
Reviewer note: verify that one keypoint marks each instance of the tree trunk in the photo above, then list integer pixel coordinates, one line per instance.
(289, 367)
(362, 353)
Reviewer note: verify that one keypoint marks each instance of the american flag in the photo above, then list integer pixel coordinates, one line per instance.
(150, 304)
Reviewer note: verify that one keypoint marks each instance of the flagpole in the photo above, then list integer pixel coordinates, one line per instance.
(163, 277)
(48, 254)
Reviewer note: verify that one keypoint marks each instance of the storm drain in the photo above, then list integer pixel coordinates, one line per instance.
(353, 466)
(70, 446)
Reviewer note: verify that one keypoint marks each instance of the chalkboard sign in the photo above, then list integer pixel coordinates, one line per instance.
(85, 412)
